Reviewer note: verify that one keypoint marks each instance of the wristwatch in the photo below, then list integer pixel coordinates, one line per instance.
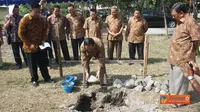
(190, 77)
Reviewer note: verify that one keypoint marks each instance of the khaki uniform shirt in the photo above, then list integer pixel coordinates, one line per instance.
(136, 29)
(59, 26)
(76, 25)
(181, 49)
(97, 51)
(93, 27)
(114, 25)
(32, 31)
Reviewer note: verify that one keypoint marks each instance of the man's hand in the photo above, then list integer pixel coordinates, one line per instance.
(117, 34)
(195, 68)
(6, 25)
(112, 34)
(188, 70)
(33, 47)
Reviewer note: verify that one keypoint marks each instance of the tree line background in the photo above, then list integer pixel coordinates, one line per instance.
(126, 6)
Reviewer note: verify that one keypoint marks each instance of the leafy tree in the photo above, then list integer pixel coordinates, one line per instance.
(24, 9)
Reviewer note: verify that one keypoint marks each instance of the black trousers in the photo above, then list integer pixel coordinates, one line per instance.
(49, 51)
(49, 40)
(132, 50)
(64, 47)
(76, 43)
(114, 44)
(38, 59)
(16, 47)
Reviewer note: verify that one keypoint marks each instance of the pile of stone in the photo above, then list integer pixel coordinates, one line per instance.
(143, 84)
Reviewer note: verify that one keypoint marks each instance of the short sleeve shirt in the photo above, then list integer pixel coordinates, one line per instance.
(181, 49)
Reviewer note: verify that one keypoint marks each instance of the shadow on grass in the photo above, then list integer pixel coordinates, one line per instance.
(121, 77)
(156, 60)
(67, 64)
(120, 59)
(194, 98)
(160, 75)
(11, 66)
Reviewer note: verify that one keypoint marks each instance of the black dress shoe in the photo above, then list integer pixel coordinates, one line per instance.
(50, 81)
(18, 66)
(35, 83)
(104, 86)
(67, 59)
(85, 85)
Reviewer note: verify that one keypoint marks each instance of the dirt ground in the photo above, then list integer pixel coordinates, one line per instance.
(18, 95)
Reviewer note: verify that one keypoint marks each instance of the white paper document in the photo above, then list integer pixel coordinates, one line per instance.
(44, 46)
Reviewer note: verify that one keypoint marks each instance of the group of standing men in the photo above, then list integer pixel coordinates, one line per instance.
(34, 29)
(77, 27)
